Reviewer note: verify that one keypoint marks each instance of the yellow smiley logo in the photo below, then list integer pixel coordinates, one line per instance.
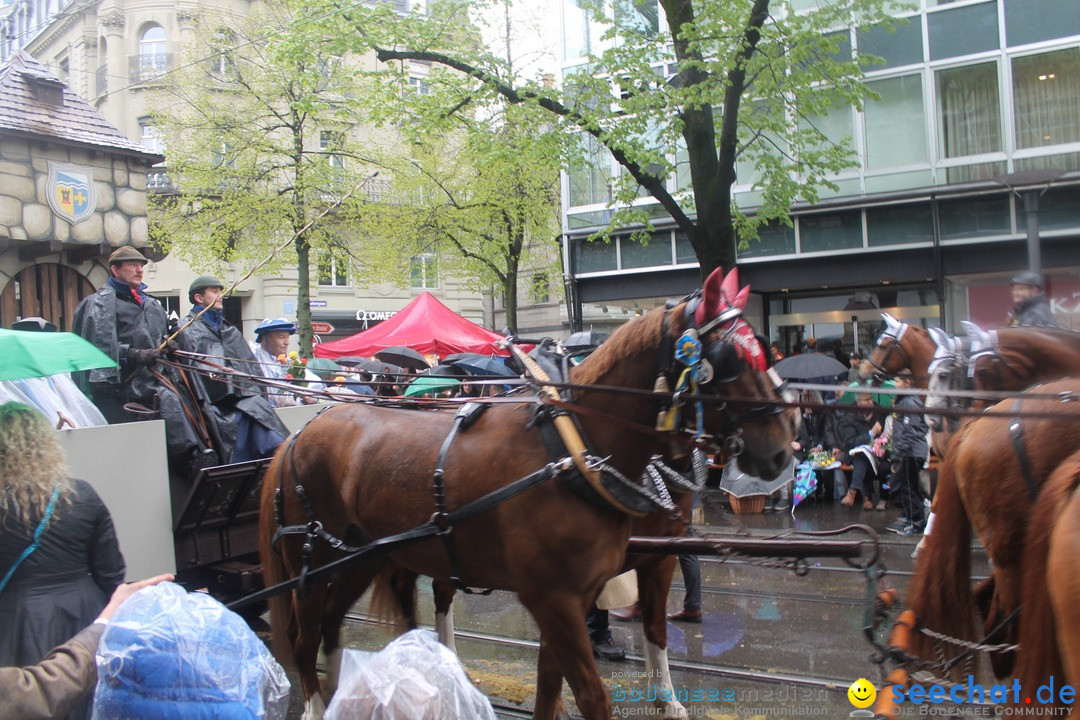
(862, 693)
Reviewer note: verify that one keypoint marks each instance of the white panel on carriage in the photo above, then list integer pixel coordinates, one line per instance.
(126, 465)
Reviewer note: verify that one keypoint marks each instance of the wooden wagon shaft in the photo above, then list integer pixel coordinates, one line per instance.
(755, 547)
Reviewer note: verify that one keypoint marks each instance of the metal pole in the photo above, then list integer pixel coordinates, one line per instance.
(1031, 209)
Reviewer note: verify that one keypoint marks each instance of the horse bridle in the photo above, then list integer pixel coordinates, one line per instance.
(894, 335)
(718, 360)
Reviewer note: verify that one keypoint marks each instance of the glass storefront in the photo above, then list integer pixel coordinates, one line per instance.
(852, 318)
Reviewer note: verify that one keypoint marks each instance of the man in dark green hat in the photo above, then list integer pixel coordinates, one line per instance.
(244, 425)
(128, 325)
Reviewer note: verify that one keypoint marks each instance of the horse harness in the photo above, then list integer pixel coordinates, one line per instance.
(441, 522)
(561, 433)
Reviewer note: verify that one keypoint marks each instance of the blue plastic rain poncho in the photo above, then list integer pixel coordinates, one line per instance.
(172, 655)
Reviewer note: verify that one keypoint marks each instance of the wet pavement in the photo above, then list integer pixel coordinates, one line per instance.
(771, 644)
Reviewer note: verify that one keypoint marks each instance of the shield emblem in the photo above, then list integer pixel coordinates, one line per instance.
(70, 191)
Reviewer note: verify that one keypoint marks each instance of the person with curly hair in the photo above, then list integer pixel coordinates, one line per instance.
(59, 557)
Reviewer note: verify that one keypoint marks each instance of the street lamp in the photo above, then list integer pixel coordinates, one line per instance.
(1030, 185)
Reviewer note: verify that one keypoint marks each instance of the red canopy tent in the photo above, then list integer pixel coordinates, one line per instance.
(425, 325)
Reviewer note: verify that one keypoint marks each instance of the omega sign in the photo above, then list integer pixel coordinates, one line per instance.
(369, 316)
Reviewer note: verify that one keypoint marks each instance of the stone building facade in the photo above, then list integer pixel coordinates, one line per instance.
(72, 188)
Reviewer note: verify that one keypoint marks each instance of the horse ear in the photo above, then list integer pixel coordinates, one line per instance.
(977, 334)
(729, 289)
(890, 322)
(740, 298)
(712, 297)
(941, 338)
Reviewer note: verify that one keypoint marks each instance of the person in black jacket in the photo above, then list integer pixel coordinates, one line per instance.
(857, 430)
(128, 325)
(243, 424)
(909, 453)
(59, 557)
(1030, 307)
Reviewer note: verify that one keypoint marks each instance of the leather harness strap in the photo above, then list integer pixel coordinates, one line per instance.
(1016, 432)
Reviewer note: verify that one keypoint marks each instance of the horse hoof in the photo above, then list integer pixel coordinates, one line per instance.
(314, 708)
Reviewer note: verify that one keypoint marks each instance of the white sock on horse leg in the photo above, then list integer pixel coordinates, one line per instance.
(444, 626)
(314, 708)
(658, 673)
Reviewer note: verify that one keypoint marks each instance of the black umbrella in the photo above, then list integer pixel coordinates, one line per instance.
(809, 366)
(483, 365)
(459, 356)
(403, 356)
(444, 371)
(351, 360)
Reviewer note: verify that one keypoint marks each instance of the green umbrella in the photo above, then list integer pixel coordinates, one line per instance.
(428, 385)
(323, 365)
(38, 354)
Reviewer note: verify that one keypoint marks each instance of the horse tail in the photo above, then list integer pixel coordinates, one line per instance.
(274, 571)
(393, 598)
(940, 588)
(1039, 655)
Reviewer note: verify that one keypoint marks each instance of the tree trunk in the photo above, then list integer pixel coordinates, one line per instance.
(303, 293)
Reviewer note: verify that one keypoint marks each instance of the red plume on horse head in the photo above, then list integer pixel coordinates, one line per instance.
(721, 292)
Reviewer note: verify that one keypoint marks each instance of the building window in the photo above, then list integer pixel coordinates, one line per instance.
(1029, 21)
(901, 46)
(333, 271)
(1046, 98)
(774, 238)
(895, 124)
(654, 251)
(641, 16)
(963, 31)
(331, 144)
(151, 136)
(152, 58)
(899, 225)
(595, 255)
(581, 34)
(221, 64)
(418, 85)
(424, 271)
(969, 111)
(590, 176)
(831, 231)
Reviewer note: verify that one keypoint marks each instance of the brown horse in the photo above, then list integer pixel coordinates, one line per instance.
(367, 473)
(983, 486)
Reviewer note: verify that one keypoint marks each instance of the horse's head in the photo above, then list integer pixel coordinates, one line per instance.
(732, 361)
(948, 372)
(888, 357)
(987, 368)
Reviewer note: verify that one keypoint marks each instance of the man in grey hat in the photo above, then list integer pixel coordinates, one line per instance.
(1029, 303)
(243, 424)
(128, 325)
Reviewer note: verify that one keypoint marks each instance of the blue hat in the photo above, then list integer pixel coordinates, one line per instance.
(272, 324)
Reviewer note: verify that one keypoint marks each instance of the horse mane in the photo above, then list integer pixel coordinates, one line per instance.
(1039, 655)
(635, 337)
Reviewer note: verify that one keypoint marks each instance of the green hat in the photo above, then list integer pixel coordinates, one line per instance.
(201, 283)
(125, 253)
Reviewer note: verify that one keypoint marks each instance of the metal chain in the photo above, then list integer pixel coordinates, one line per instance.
(664, 502)
(968, 645)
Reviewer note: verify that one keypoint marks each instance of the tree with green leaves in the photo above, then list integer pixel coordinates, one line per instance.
(682, 103)
(258, 126)
(477, 187)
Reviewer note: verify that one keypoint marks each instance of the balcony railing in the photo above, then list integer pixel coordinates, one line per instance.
(101, 80)
(147, 67)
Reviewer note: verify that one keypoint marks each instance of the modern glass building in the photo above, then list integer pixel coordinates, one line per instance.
(978, 121)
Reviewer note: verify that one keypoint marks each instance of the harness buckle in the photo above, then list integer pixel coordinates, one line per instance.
(441, 520)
